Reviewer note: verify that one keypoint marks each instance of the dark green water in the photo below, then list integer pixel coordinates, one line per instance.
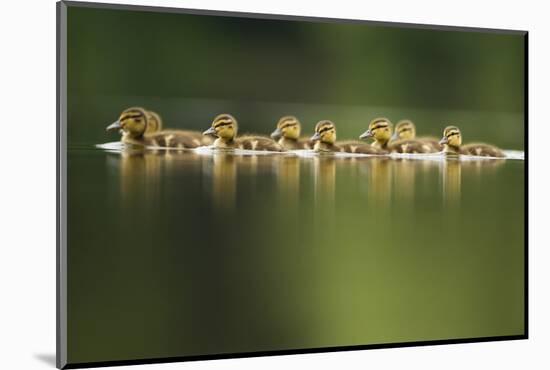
(185, 254)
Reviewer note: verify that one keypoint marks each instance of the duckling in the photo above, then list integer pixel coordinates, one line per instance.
(325, 141)
(133, 124)
(452, 144)
(287, 134)
(406, 130)
(154, 122)
(381, 130)
(225, 127)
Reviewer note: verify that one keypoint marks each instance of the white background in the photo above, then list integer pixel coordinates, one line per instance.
(27, 181)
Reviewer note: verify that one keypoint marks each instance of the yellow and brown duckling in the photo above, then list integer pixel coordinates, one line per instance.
(287, 134)
(452, 144)
(406, 130)
(325, 141)
(380, 129)
(133, 123)
(225, 127)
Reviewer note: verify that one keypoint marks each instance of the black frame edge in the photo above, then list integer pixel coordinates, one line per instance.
(526, 186)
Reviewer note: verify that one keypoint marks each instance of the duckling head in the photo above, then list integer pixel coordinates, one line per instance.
(325, 132)
(288, 127)
(132, 122)
(154, 122)
(451, 137)
(224, 126)
(404, 130)
(380, 129)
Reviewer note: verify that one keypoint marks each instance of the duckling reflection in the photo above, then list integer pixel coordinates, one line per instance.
(479, 169)
(451, 173)
(404, 178)
(287, 170)
(249, 164)
(258, 165)
(141, 170)
(139, 174)
(324, 177)
(379, 173)
(484, 166)
(223, 170)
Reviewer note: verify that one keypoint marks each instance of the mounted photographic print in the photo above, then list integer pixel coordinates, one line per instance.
(235, 185)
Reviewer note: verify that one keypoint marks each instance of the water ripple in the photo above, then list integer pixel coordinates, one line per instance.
(119, 147)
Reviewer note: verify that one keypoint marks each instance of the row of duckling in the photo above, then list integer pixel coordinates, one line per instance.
(139, 126)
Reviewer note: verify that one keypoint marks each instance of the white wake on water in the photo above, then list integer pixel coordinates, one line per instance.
(119, 147)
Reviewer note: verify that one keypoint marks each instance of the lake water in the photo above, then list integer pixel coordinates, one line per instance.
(179, 254)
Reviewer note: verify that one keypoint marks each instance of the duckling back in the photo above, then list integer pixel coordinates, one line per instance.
(354, 146)
(482, 150)
(301, 143)
(326, 147)
(404, 140)
(174, 138)
(421, 145)
(412, 146)
(432, 141)
(255, 142)
(181, 139)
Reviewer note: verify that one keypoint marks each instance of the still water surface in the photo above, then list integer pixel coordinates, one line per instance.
(177, 254)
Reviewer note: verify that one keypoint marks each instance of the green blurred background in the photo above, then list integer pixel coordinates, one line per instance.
(176, 254)
(191, 68)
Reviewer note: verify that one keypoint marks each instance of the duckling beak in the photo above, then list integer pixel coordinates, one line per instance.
(114, 126)
(277, 134)
(444, 140)
(366, 134)
(315, 137)
(395, 136)
(211, 131)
